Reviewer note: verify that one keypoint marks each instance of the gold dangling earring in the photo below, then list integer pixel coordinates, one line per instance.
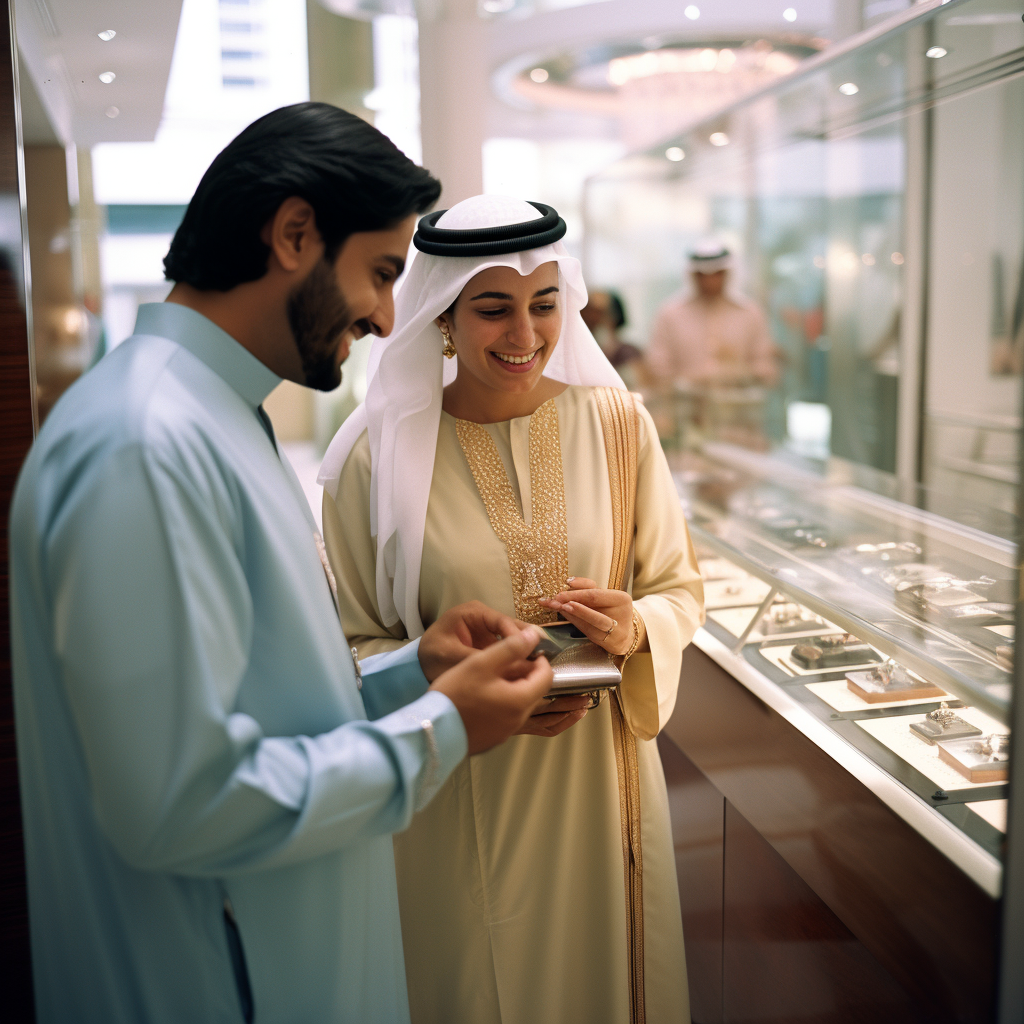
(448, 350)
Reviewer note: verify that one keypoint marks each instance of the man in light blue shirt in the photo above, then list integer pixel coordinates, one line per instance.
(209, 789)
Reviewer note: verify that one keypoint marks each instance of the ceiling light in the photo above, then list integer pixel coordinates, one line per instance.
(935, 52)
(849, 88)
(106, 77)
(693, 13)
(897, 258)
(675, 154)
(112, 112)
(718, 139)
(867, 259)
(107, 34)
(539, 75)
(789, 14)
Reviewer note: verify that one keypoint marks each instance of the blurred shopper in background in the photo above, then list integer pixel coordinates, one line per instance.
(712, 337)
(208, 808)
(605, 315)
(511, 485)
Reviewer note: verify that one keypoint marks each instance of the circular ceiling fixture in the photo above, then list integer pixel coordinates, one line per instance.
(106, 77)
(107, 34)
(693, 13)
(112, 112)
(935, 52)
(849, 88)
(718, 139)
(674, 153)
(653, 86)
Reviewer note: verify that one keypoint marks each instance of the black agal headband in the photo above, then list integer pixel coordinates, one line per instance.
(496, 241)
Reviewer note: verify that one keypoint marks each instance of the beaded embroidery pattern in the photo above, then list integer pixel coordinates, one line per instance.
(538, 555)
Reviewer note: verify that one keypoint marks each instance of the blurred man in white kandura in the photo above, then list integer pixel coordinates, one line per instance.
(711, 338)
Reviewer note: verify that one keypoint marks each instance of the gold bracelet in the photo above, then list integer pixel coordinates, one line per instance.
(637, 635)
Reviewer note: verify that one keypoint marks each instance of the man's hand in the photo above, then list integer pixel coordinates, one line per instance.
(460, 631)
(496, 690)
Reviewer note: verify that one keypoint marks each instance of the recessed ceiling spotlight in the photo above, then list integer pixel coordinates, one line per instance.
(107, 34)
(112, 112)
(935, 52)
(789, 14)
(849, 88)
(693, 13)
(718, 139)
(539, 75)
(674, 153)
(106, 77)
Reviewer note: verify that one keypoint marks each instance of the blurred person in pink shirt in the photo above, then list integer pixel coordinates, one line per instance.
(712, 337)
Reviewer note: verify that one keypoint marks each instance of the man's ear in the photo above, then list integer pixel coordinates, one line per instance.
(292, 235)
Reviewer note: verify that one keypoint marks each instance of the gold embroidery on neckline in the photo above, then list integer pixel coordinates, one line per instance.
(538, 554)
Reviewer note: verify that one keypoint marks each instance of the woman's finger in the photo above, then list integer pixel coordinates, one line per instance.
(551, 725)
(595, 598)
(597, 620)
(581, 583)
(561, 705)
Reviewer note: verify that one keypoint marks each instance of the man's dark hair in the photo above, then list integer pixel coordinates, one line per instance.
(353, 176)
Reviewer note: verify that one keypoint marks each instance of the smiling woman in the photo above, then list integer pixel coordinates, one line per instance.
(512, 485)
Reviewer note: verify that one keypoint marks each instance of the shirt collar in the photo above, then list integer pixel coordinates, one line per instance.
(236, 365)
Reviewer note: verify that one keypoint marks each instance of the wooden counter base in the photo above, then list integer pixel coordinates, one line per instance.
(804, 897)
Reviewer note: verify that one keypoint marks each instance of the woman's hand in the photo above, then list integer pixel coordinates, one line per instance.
(606, 616)
(554, 716)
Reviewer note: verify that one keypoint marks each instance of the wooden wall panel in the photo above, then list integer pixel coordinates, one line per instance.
(15, 439)
(787, 959)
(916, 913)
(698, 822)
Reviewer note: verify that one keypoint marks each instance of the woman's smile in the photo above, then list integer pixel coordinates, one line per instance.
(523, 363)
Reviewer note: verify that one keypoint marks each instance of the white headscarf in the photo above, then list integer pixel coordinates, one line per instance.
(406, 375)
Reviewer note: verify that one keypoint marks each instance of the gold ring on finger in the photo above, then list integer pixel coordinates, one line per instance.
(610, 628)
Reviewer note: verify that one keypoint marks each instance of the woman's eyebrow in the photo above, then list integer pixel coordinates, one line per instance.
(492, 295)
(546, 291)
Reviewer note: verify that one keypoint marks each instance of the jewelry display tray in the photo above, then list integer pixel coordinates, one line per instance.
(843, 583)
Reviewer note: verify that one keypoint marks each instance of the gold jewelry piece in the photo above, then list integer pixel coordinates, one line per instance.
(610, 628)
(637, 635)
(448, 349)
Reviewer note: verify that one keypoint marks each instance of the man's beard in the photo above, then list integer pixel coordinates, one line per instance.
(319, 315)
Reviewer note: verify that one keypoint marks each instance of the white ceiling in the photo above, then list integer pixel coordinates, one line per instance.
(62, 54)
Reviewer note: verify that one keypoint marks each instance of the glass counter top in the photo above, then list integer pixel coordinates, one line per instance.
(933, 594)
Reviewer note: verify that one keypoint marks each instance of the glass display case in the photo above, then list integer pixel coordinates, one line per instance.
(891, 626)
(857, 517)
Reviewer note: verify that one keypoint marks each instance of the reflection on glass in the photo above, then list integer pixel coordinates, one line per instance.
(874, 209)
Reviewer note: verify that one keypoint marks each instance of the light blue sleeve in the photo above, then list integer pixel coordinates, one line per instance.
(153, 620)
(392, 679)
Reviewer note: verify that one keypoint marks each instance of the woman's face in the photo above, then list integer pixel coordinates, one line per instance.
(505, 327)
